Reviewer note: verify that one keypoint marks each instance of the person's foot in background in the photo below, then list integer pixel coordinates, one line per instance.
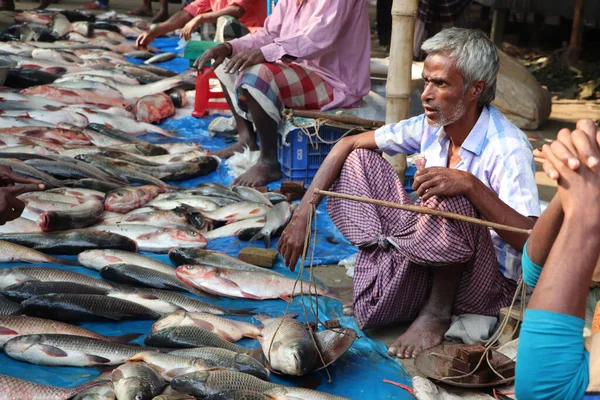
(161, 16)
(142, 11)
(96, 5)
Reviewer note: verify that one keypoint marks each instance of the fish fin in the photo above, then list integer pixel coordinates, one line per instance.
(257, 236)
(257, 354)
(230, 216)
(207, 326)
(116, 375)
(285, 297)
(7, 331)
(112, 259)
(255, 211)
(202, 293)
(124, 338)
(224, 335)
(241, 312)
(97, 359)
(267, 240)
(250, 296)
(262, 317)
(148, 296)
(53, 351)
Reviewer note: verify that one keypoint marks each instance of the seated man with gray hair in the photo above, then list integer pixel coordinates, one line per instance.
(417, 267)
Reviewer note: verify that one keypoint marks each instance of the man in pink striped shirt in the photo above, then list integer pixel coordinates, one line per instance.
(311, 54)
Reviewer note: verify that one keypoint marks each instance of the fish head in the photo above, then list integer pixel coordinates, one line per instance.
(187, 235)
(171, 320)
(250, 365)
(8, 278)
(119, 196)
(199, 271)
(21, 344)
(297, 359)
(134, 389)
(194, 382)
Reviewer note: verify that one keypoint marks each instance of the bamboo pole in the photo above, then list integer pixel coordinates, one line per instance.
(425, 210)
(398, 87)
(344, 119)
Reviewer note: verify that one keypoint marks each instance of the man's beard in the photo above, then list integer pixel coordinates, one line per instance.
(455, 114)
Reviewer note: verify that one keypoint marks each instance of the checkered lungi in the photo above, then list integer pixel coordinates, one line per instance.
(275, 86)
(399, 249)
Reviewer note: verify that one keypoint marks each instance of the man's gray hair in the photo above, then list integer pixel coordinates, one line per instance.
(475, 56)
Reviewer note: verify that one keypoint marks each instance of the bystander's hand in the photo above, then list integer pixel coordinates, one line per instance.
(574, 161)
(10, 206)
(439, 181)
(190, 27)
(291, 243)
(218, 54)
(241, 61)
(563, 149)
(144, 40)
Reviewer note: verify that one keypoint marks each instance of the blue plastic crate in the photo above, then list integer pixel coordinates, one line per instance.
(300, 159)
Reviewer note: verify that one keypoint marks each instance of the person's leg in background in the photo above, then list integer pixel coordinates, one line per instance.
(384, 22)
(145, 10)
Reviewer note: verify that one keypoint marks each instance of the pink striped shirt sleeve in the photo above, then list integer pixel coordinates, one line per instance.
(198, 7)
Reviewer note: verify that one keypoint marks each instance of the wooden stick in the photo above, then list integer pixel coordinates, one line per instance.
(344, 119)
(425, 210)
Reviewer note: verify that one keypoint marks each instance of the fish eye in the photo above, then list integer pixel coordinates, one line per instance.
(192, 233)
(139, 396)
(189, 267)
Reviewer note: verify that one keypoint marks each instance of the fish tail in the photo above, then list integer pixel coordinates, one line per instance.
(202, 293)
(124, 338)
(258, 235)
(241, 312)
(267, 240)
(62, 261)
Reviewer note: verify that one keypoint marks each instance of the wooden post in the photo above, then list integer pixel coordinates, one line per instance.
(398, 88)
(499, 17)
(576, 32)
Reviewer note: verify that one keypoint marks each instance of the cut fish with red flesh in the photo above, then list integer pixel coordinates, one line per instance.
(154, 108)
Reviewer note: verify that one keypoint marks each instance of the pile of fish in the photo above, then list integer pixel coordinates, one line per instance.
(191, 350)
(71, 68)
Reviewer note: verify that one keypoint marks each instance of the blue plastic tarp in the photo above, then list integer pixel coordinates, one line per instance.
(358, 374)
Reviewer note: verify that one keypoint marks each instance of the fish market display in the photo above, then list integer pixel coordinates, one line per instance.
(80, 113)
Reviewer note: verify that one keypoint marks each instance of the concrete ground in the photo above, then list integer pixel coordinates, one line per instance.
(564, 114)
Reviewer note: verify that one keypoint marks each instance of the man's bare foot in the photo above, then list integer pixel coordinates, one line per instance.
(234, 148)
(7, 6)
(426, 331)
(43, 5)
(161, 16)
(141, 12)
(259, 174)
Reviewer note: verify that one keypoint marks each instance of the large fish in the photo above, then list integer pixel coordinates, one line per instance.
(22, 78)
(11, 276)
(97, 87)
(121, 170)
(25, 290)
(86, 194)
(161, 58)
(153, 108)
(183, 171)
(70, 242)
(233, 229)
(11, 252)
(256, 285)
(164, 218)
(228, 329)
(198, 203)
(204, 384)
(80, 216)
(190, 304)
(51, 54)
(135, 295)
(213, 258)
(19, 389)
(69, 169)
(288, 346)
(9, 122)
(63, 136)
(136, 381)
(19, 325)
(84, 307)
(75, 96)
(98, 259)
(119, 135)
(193, 336)
(68, 350)
(238, 211)
(226, 359)
(128, 125)
(126, 199)
(277, 217)
(170, 366)
(250, 194)
(156, 239)
(61, 25)
(8, 307)
(144, 277)
(20, 225)
(106, 73)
